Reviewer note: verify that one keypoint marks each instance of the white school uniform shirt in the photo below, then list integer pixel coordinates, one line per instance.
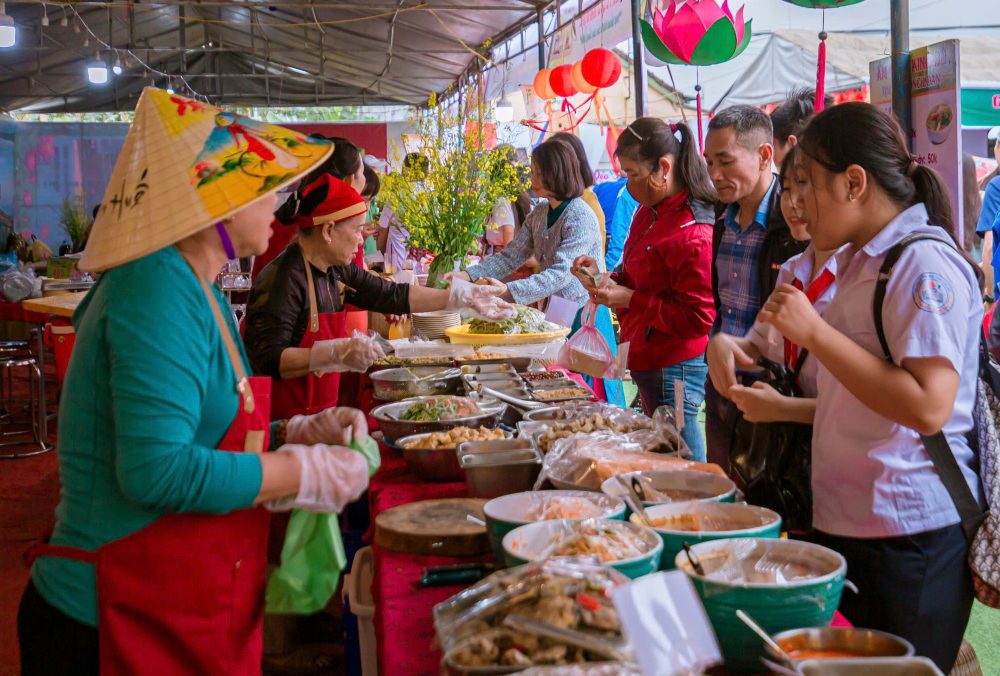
(396, 250)
(769, 340)
(872, 477)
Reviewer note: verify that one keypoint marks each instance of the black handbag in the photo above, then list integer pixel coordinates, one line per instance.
(772, 461)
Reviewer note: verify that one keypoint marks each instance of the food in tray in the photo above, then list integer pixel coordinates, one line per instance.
(591, 423)
(607, 540)
(563, 507)
(572, 597)
(539, 376)
(453, 437)
(674, 495)
(696, 523)
(623, 463)
(393, 360)
(561, 393)
(527, 320)
(440, 408)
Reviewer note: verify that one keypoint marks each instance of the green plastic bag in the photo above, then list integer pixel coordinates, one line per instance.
(313, 556)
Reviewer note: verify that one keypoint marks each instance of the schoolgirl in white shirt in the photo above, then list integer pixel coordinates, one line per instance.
(877, 498)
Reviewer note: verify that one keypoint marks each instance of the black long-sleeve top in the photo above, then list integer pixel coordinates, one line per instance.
(278, 307)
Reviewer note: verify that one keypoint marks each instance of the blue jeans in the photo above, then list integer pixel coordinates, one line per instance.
(656, 388)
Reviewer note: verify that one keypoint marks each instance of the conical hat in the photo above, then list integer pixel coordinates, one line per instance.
(184, 166)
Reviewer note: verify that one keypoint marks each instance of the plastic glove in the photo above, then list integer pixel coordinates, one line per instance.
(481, 300)
(331, 478)
(356, 353)
(336, 425)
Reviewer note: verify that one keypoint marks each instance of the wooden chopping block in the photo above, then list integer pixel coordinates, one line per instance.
(433, 527)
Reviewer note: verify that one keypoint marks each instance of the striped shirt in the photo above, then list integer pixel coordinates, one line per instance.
(737, 268)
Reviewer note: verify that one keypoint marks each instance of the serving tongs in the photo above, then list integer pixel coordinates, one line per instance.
(513, 401)
(592, 644)
(632, 498)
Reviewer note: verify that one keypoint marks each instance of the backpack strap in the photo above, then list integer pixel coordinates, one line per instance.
(937, 445)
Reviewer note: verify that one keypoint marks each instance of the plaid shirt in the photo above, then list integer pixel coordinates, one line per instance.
(736, 266)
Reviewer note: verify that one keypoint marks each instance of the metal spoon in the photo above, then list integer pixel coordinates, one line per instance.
(757, 629)
(633, 501)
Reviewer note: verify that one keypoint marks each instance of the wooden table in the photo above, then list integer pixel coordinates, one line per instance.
(63, 305)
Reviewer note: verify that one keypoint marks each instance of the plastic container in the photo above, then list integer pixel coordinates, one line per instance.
(716, 520)
(883, 666)
(741, 575)
(358, 586)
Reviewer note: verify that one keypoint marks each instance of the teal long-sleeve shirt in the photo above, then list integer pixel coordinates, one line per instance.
(148, 397)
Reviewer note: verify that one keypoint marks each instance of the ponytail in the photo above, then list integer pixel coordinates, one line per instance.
(691, 170)
(933, 192)
(288, 211)
(298, 205)
(648, 139)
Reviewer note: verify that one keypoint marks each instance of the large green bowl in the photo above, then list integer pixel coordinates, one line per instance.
(507, 512)
(807, 600)
(686, 484)
(734, 521)
(526, 543)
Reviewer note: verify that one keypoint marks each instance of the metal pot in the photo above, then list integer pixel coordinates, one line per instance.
(431, 464)
(387, 415)
(854, 642)
(397, 384)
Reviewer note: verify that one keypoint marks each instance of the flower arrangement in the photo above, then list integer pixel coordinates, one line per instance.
(445, 202)
(74, 221)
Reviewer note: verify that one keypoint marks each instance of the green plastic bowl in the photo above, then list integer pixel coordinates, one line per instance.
(693, 485)
(526, 543)
(808, 600)
(741, 521)
(507, 512)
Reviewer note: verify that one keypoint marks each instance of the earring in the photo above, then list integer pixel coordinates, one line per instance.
(850, 196)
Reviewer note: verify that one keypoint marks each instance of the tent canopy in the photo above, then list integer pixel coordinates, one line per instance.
(788, 60)
(248, 52)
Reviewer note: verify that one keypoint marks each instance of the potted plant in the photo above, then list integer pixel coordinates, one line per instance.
(74, 221)
(445, 204)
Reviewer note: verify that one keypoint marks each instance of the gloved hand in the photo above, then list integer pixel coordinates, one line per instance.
(481, 300)
(336, 425)
(331, 478)
(356, 353)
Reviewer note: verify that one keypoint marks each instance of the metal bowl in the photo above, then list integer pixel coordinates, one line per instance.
(432, 464)
(393, 428)
(545, 414)
(395, 384)
(853, 642)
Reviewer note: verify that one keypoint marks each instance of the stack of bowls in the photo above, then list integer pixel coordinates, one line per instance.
(431, 325)
(782, 584)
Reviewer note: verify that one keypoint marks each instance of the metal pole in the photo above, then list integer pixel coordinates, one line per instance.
(638, 64)
(901, 89)
(541, 38)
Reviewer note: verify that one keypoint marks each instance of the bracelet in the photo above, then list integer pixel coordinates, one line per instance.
(280, 433)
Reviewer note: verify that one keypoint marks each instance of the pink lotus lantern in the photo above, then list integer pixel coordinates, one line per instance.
(696, 33)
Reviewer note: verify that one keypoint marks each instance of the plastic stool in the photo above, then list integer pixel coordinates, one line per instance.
(39, 423)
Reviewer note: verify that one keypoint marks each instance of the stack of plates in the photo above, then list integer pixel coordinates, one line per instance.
(432, 325)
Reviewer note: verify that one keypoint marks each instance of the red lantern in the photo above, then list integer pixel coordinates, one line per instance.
(601, 67)
(561, 79)
(541, 86)
(578, 80)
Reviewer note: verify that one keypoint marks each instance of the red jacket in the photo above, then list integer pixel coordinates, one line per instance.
(667, 262)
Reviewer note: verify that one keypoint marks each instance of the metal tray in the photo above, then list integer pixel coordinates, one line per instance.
(484, 369)
(583, 396)
(553, 384)
(495, 468)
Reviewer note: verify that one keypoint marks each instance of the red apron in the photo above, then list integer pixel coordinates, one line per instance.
(311, 393)
(185, 595)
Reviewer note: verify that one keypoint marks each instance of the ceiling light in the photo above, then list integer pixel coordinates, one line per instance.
(170, 86)
(64, 21)
(117, 68)
(504, 112)
(86, 40)
(76, 26)
(45, 14)
(8, 31)
(97, 71)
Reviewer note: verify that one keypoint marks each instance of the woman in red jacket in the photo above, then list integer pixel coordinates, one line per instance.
(662, 289)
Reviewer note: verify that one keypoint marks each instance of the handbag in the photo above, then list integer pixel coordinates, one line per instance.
(772, 461)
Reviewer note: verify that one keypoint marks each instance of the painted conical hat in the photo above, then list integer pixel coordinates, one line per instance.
(184, 166)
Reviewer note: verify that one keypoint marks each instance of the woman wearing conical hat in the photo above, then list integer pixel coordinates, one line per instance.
(168, 462)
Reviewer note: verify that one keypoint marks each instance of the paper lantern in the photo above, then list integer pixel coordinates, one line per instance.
(561, 79)
(543, 89)
(601, 67)
(823, 4)
(697, 33)
(579, 81)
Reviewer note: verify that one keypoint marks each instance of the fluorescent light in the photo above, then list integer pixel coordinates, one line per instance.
(504, 112)
(97, 72)
(8, 31)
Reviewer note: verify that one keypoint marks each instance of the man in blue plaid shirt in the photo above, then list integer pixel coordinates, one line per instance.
(750, 242)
